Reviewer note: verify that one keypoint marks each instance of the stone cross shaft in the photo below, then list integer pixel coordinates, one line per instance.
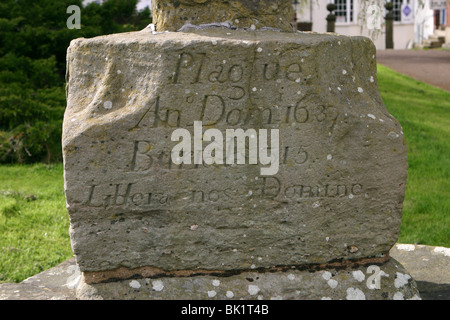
(171, 15)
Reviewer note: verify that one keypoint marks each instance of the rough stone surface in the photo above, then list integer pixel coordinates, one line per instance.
(389, 281)
(172, 15)
(339, 189)
(427, 265)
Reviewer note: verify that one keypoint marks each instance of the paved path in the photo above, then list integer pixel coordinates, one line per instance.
(430, 66)
(429, 266)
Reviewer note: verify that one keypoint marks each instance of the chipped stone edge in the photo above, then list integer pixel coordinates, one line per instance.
(188, 26)
(95, 277)
(402, 286)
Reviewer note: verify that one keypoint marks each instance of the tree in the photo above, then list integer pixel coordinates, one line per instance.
(33, 43)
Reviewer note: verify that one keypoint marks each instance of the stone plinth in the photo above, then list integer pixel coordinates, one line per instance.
(389, 281)
(338, 189)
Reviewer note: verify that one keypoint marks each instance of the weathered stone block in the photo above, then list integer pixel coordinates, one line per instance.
(171, 15)
(389, 281)
(339, 188)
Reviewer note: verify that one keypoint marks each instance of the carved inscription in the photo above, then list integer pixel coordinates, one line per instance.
(125, 196)
(220, 94)
(191, 69)
(214, 111)
(145, 158)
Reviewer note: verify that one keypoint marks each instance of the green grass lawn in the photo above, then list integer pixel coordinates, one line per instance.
(424, 113)
(34, 222)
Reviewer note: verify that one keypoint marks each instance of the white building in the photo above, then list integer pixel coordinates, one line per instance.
(413, 22)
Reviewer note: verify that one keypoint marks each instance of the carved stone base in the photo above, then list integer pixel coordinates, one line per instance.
(388, 281)
(342, 168)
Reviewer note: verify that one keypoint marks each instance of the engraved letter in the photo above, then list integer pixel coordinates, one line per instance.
(213, 109)
(187, 62)
(235, 74)
(275, 190)
(275, 72)
(141, 159)
(293, 72)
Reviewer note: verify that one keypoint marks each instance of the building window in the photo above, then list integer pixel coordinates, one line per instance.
(344, 10)
(399, 6)
(397, 10)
